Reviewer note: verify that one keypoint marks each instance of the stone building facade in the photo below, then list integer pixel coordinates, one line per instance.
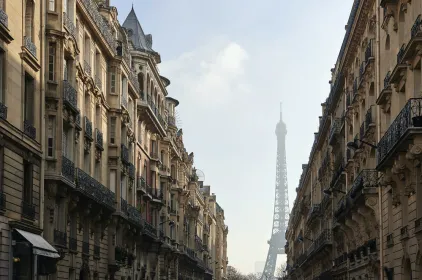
(358, 207)
(96, 182)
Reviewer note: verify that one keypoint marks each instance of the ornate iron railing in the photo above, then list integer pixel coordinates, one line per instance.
(60, 238)
(94, 190)
(68, 169)
(3, 111)
(78, 120)
(190, 253)
(28, 210)
(70, 95)
(99, 139)
(2, 201)
(100, 22)
(134, 216)
(387, 79)
(323, 239)
(70, 26)
(416, 27)
(368, 117)
(367, 178)
(125, 154)
(150, 229)
(134, 80)
(29, 129)
(400, 54)
(88, 128)
(141, 183)
(409, 117)
(4, 18)
(120, 254)
(335, 128)
(30, 46)
(314, 210)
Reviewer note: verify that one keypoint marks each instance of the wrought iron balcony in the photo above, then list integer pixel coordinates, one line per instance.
(322, 240)
(141, 183)
(30, 46)
(314, 211)
(3, 111)
(149, 229)
(335, 129)
(134, 216)
(157, 194)
(418, 225)
(124, 102)
(125, 154)
(68, 169)
(416, 28)
(95, 190)
(88, 128)
(404, 233)
(73, 244)
(190, 253)
(99, 139)
(85, 248)
(120, 254)
(69, 25)
(96, 251)
(134, 80)
(78, 121)
(302, 258)
(338, 170)
(100, 22)
(123, 206)
(367, 178)
(400, 54)
(70, 96)
(2, 201)
(29, 129)
(408, 121)
(4, 18)
(369, 52)
(28, 210)
(60, 238)
(87, 68)
(132, 171)
(390, 240)
(370, 118)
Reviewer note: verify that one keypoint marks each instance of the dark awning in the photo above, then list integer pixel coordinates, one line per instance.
(40, 246)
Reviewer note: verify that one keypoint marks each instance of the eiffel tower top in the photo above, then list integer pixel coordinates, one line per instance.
(281, 129)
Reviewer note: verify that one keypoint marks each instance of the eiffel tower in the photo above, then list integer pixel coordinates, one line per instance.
(281, 204)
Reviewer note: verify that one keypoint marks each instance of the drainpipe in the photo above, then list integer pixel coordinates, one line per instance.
(43, 18)
(377, 90)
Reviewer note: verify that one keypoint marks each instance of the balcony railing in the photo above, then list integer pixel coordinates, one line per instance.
(409, 117)
(28, 210)
(3, 111)
(60, 238)
(95, 190)
(120, 254)
(150, 229)
(125, 154)
(141, 183)
(367, 178)
(124, 101)
(30, 46)
(29, 129)
(400, 54)
(98, 82)
(369, 117)
(100, 22)
(70, 95)
(88, 128)
(134, 80)
(96, 251)
(369, 51)
(134, 216)
(99, 139)
(68, 169)
(70, 26)
(323, 239)
(387, 80)
(4, 18)
(416, 28)
(335, 129)
(314, 210)
(190, 253)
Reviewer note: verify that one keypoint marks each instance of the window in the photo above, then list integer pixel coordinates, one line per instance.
(27, 182)
(113, 130)
(113, 180)
(2, 72)
(97, 171)
(29, 18)
(51, 60)
(29, 98)
(113, 83)
(51, 5)
(123, 187)
(50, 137)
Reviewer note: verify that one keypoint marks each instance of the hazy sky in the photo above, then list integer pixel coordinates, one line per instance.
(230, 63)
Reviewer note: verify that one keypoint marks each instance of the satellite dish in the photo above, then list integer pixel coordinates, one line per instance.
(201, 175)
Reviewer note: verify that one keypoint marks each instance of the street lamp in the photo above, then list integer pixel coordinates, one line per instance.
(330, 191)
(354, 146)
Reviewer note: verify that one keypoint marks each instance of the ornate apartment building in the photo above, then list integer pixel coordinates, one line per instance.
(358, 210)
(95, 180)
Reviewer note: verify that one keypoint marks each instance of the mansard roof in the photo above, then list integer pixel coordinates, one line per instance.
(136, 34)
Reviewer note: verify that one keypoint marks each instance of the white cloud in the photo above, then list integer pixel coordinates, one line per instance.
(210, 75)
